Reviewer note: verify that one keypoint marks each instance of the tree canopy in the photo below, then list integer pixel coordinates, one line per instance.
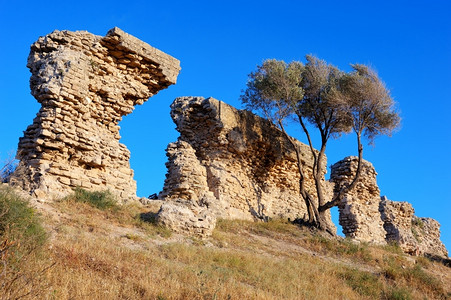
(368, 103)
(273, 88)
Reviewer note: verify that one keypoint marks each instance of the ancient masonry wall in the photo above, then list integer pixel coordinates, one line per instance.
(365, 216)
(415, 235)
(229, 163)
(359, 213)
(85, 85)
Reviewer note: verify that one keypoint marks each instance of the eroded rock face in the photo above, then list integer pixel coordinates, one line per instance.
(234, 163)
(86, 84)
(365, 216)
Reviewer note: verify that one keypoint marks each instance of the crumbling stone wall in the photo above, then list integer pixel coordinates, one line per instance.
(365, 216)
(398, 218)
(85, 85)
(414, 235)
(359, 213)
(234, 163)
(426, 232)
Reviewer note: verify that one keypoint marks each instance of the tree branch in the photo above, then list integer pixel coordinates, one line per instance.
(336, 200)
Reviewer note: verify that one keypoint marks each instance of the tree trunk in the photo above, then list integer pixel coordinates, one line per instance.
(317, 176)
(359, 163)
(311, 208)
(336, 200)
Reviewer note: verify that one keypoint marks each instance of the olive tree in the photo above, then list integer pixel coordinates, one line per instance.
(321, 107)
(271, 90)
(370, 110)
(332, 101)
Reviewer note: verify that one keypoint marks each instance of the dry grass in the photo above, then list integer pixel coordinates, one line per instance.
(94, 269)
(121, 253)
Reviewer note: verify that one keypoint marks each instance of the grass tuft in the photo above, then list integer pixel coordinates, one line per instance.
(344, 247)
(396, 271)
(364, 283)
(396, 293)
(104, 206)
(99, 199)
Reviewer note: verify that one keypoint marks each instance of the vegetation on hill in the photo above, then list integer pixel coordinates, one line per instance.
(22, 240)
(120, 253)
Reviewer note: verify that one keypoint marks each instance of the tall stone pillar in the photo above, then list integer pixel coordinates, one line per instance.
(85, 84)
(359, 213)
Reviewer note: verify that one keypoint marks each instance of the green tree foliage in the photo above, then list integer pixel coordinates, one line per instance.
(273, 89)
(321, 107)
(320, 82)
(368, 103)
(369, 109)
(333, 101)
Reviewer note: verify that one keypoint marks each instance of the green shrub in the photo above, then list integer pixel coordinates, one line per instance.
(18, 221)
(22, 238)
(148, 222)
(415, 234)
(418, 222)
(100, 199)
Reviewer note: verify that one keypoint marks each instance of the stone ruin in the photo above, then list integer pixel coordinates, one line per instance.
(227, 163)
(85, 84)
(359, 214)
(231, 164)
(366, 216)
(415, 235)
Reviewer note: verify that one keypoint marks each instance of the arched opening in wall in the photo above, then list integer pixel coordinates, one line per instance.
(146, 132)
(335, 214)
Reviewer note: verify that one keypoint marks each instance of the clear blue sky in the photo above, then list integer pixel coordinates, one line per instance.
(219, 43)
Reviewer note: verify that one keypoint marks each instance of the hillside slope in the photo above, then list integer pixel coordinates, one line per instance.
(119, 253)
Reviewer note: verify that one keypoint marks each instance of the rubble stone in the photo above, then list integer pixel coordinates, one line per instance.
(187, 217)
(85, 85)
